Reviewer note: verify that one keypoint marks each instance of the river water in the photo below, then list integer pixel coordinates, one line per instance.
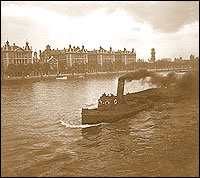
(42, 135)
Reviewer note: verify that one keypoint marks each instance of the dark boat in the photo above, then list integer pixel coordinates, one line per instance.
(112, 108)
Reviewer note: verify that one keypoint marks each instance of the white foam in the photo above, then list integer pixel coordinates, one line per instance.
(78, 126)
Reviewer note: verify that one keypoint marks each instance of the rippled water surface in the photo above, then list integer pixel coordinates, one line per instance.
(42, 135)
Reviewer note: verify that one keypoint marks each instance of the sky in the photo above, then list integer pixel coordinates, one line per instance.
(171, 27)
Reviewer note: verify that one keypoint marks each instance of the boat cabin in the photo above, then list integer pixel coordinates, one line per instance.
(107, 102)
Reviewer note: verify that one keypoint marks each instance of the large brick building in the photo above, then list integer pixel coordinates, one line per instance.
(128, 56)
(68, 56)
(80, 55)
(13, 54)
(102, 56)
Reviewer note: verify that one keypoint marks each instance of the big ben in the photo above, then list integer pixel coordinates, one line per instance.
(153, 58)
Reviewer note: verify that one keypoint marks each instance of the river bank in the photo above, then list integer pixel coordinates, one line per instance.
(17, 80)
(13, 80)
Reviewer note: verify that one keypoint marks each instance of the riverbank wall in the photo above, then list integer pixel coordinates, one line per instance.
(20, 79)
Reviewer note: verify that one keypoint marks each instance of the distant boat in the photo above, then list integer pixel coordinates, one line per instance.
(180, 71)
(81, 76)
(61, 78)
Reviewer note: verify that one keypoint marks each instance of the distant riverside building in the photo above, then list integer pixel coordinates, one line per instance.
(81, 55)
(153, 58)
(126, 57)
(140, 60)
(69, 56)
(180, 59)
(166, 59)
(35, 57)
(101, 56)
(92, 57)
(131, 56)
(104, 56)
(13, 54)
(192, 57)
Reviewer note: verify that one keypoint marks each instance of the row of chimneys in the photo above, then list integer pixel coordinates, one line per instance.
(26, 47)
(70, 47)
(48, 48)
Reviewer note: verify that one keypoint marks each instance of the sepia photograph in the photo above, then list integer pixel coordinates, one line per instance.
(99, 88)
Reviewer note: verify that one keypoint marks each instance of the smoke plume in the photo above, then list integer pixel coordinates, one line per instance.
(188, 84)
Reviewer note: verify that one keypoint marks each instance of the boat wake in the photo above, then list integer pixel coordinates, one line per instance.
(79, 126)
(61, 78)
(88, 105)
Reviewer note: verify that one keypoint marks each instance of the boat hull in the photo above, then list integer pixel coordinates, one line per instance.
(94, 116)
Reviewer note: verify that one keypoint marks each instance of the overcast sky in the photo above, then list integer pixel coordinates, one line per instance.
(172, 28)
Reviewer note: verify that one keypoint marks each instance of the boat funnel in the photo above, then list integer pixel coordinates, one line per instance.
(120, 90)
